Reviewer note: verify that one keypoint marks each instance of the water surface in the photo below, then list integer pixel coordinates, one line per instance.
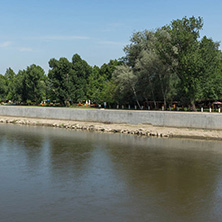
(50, 174)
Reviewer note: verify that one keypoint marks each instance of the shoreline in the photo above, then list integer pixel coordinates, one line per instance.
(140, 129)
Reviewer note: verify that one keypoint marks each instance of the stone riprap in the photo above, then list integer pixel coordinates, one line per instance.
(140, 129)
(109, 128)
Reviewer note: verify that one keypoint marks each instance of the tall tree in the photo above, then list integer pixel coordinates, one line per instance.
(81, 71)
(3, 87)
(10, 76)
(211, 69)
(34, 80)
(126, 82)
(20, 87)
(185, 34)
(96, 85)
(150, 59)
(59, 76)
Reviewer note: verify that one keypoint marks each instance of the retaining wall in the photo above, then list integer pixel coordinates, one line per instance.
(156, 118)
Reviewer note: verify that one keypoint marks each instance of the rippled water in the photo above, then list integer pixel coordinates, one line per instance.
(49, 174)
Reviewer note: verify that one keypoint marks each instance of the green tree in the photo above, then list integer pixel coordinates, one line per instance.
(59, 77)
(68, 80)
(10, 76)
(34, 80)
(185, 34)
(3, 87)
(107, 70)
(109, 92)
(211, 70)
(126, 82)
(96, 86)
(148, 55)
(172, 63)
(81, 71)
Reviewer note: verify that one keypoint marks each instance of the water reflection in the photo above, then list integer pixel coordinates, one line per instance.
(57, 174)
(178, 176)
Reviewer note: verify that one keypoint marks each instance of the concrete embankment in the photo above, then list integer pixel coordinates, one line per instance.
(155, 118)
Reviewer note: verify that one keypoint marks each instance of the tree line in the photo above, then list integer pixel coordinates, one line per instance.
(169, 64)
(66, 82)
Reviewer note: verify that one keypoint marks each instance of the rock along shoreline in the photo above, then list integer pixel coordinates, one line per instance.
(140, 130)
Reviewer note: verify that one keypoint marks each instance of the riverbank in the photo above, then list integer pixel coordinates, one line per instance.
(191, 120)
(139, 129)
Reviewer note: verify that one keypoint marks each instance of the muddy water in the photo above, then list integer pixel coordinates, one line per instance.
(49, 174)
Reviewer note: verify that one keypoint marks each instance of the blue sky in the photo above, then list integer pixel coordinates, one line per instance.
(34, 31)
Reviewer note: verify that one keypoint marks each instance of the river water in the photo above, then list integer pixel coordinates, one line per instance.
(49, 174)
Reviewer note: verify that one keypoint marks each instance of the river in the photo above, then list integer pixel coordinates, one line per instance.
(51, 174)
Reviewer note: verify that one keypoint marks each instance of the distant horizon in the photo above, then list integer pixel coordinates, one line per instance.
(33, 32)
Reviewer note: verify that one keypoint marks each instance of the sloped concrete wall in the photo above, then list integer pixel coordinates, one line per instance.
(156, 118)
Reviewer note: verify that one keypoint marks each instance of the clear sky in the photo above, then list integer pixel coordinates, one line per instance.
(34, 31)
